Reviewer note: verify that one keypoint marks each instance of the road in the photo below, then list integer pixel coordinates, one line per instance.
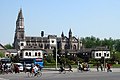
(54, 75)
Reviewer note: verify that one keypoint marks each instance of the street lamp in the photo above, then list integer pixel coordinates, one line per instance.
(56, 52)
(104, 63)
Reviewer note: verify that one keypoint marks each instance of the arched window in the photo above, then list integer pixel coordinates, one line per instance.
(65, 47)
(35, 53)
(74, 46)
(39, 54)
(41, 45)
(29, 53)
(22, 36)
(48, 45)
(26, 54)
(7, 55)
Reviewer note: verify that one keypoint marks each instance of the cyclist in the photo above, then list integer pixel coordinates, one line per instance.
(35, 68)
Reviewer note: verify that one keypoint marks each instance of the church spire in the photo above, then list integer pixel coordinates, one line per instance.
(20, 15)
(20, 20)
(62, 35)
(70, 33)
(19, 32)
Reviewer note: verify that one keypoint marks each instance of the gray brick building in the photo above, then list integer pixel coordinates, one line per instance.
(64, 44)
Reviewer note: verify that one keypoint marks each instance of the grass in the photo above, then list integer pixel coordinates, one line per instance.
(116, 65)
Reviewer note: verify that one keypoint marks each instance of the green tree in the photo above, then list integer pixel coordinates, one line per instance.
(117, 45)
(116, 56)
(90, 42)
(2, 54)
(8, 46)
(50, 59)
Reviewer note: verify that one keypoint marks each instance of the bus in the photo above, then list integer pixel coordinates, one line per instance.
(39, 61)
(32, 60)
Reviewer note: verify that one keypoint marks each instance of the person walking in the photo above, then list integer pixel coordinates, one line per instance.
(109, 68)
(70, 68)
(101, 66)
(80, 67)
(97, 66)
(16, 68)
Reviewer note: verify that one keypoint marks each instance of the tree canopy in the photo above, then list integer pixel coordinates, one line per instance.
(91, 42)
(2, 54)
(8, 46)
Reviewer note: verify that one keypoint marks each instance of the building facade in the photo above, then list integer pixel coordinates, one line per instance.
(36, 46)
(25, 44)
(100, 52)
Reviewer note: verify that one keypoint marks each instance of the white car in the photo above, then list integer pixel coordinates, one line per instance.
(28, 67)
(8, 65)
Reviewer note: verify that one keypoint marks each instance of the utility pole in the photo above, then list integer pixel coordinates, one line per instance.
(56, 53)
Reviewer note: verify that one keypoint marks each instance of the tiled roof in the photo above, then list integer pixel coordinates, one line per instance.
(12, 50)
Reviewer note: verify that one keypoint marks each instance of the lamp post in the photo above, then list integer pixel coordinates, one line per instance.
(103, 59)
(104, 62)
(56, 53)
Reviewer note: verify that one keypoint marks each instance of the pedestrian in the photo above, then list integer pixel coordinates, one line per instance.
(109, 68)
(97, 66)
(87, 67)
(80, 67)
(101, 66)
(31, 69)
(61, 68)
(1, 70)
(70, 68)
(16, 68)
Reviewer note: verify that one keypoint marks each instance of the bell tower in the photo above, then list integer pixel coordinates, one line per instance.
(70, 39)
(20, 26)
(19, 32)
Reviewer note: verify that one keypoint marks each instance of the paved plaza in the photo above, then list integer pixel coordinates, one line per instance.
(51, 74)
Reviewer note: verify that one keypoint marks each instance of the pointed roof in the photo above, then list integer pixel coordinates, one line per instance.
(62, 35)
(20, 15)
(70, 31)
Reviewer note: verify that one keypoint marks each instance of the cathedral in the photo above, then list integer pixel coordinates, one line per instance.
(25, 44)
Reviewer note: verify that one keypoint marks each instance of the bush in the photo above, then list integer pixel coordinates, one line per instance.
(72, 62)
(93, 61)
(45, 62)
(2, 54)
(50, 59)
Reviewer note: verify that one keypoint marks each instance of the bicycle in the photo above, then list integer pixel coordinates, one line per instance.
(39, 74)
(61, 70)
(32, 74)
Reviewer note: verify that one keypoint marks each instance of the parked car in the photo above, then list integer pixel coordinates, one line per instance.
(28, 67)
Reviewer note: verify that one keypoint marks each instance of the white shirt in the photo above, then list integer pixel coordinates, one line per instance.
(35, 68)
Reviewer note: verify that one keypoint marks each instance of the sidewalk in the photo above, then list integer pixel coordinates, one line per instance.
(113, 69)
(75, 69)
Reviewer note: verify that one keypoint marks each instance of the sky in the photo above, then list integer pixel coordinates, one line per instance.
(98, 18)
